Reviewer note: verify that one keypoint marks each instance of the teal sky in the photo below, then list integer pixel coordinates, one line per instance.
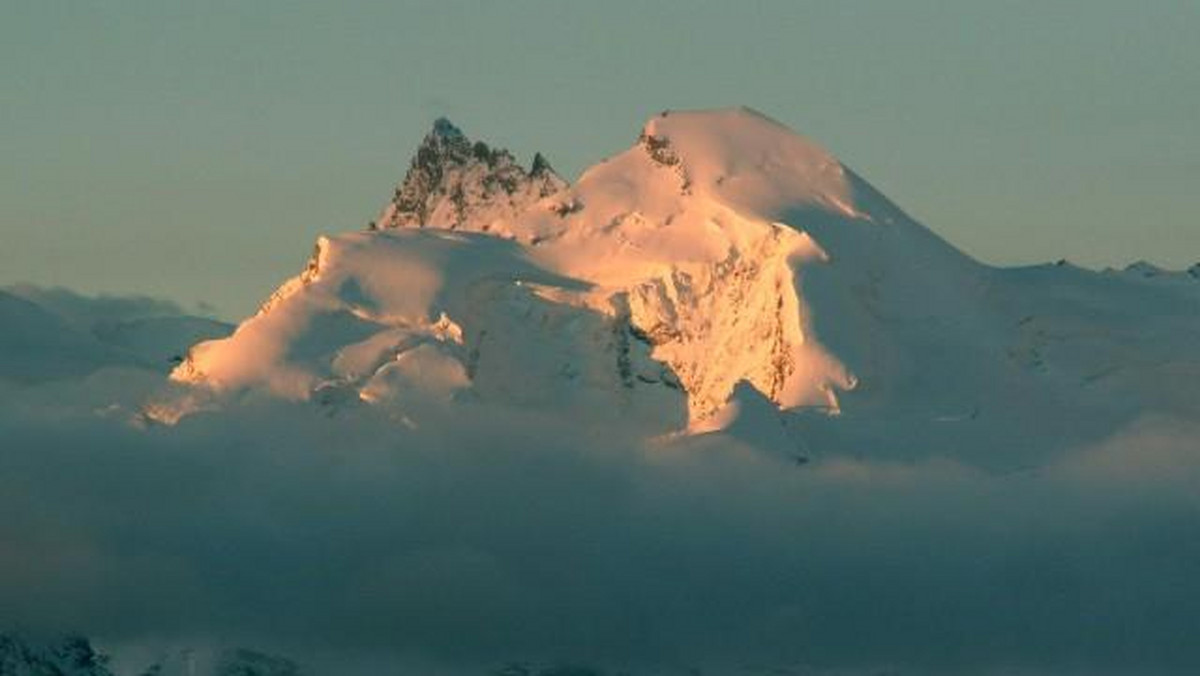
(194, 150)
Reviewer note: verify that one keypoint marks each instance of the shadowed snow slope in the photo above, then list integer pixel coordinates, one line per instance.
(722, 248)
(54, 334)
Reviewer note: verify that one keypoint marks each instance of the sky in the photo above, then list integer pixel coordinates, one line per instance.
(195, 150)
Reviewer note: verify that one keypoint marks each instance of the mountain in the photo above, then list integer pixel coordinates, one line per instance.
(722, 252)
(39, 345)
(53, 334)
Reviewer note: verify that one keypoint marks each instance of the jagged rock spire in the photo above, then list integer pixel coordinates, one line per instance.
(540, 166)
(444, 128)
(454, 182)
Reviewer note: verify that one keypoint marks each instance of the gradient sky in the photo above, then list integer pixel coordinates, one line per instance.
(194, 150)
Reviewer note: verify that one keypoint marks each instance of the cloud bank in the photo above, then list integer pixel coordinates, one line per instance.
(499, 536)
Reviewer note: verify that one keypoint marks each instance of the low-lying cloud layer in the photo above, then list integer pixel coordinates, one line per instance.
(499, 536)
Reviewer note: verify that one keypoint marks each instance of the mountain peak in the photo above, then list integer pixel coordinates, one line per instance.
(540, 166)
(444, 128)
(755, 162)
(455, 182)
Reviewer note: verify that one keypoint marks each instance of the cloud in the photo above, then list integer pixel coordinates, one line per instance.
(493, 535)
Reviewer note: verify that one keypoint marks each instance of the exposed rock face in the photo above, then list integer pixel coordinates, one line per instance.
(456, 183)
(741, 312)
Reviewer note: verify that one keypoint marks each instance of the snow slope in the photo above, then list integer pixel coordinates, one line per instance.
(38, 345)
(419, 317)
(52, 334)
(720, 249)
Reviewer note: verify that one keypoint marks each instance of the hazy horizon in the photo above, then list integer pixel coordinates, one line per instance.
(195, 152)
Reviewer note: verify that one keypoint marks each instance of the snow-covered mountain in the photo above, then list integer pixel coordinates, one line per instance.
(52, 334)
(723, 264)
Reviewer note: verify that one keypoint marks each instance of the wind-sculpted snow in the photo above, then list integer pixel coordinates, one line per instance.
(418, 318)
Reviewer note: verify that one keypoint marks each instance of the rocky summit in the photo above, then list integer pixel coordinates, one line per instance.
(455, 182)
